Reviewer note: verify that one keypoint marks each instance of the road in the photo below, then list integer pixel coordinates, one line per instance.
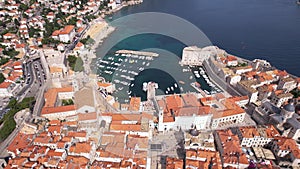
(8, 140)
(35, 83)
(220, 82)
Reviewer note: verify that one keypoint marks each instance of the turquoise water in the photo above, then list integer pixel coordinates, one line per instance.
(267, 29)
(164, 69)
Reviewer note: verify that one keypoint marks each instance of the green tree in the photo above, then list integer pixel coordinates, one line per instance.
(2, 78)
(67, 102)
(72, 21)
(11, 53)
(75, 63)
(23, 7)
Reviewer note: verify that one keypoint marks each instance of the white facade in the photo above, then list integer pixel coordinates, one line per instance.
(237, 118)
(287, 83)
(5, 92)
(234, 79)
(59, 115)
(256, 141)
(194, 56)
(185, 123)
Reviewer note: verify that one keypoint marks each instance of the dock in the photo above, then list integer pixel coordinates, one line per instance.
(142, 53)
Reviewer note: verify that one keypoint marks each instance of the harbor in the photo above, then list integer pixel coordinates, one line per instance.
(131, 71)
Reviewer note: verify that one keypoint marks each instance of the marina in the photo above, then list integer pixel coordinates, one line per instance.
(123, 66)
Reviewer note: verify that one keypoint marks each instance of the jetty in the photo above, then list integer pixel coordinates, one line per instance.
(142, 53)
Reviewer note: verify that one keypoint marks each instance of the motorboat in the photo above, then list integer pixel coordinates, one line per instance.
(145, 85)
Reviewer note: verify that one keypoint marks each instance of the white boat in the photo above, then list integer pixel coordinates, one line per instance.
(132, 85)
(134, 73)
(172, 88)
(117, 54)
(206, 92)
(120, 88)
(126, 60)
(148, 64)
(175, 84)
(145, 86)
(197, 75)
(168, 89)
(166, 92)
(141, 69)
(104, 61)
(144, 63)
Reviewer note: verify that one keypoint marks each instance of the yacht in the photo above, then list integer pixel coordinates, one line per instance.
(175, 84)
(145, 86)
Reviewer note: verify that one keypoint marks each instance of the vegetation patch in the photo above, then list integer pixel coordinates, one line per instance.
(7, 122)
(75, 63)
(67, 102)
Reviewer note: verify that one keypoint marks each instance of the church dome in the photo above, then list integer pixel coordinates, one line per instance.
(289, 107)
(194, 132)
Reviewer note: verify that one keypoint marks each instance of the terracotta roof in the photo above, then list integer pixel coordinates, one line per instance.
(126, 117)
(67, 29)
(126, 127)
(5, 85)
(77, 134)
(79, 148)
(87, 116)
(60, 109)
(134, 104)
(174, 163)
(54, 69)
(79, 44)
(249, 132)
(53, 129)
(21, 141)
(135, 140)
(51, 95)
(54, 122)
(56, 33)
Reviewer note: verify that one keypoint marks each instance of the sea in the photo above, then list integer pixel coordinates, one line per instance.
(265, 29)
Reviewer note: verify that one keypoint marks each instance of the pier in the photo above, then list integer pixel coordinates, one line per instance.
(142, 53)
